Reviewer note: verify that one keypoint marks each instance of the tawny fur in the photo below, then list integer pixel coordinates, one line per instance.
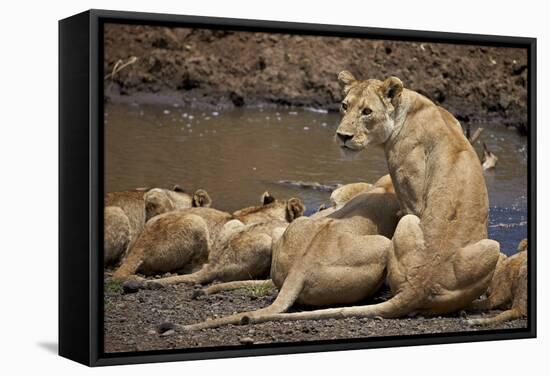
(158, 201)
(137, 207)
(182, 240)
(332, 259)
(343, 194)
(440, 259)
(242, 250)
(117, 234)
(508, 289)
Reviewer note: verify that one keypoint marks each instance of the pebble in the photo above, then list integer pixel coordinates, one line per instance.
(246, 341)
(130, 287)
(168, 333)
(152, 285)
(165, 327)
(196, 293)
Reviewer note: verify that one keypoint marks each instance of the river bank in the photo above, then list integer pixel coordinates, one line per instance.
(224, 69)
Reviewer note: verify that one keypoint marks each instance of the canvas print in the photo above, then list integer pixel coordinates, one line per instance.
(273, 188)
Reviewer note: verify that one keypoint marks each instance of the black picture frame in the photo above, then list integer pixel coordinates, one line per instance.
(81, 186)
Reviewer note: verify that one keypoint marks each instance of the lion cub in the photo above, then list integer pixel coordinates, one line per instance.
(181, 240)
(126, 212)
(508, 289)
(243, 248)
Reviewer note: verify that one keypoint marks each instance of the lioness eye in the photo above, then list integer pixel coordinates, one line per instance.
(366, 111)
(344, 106)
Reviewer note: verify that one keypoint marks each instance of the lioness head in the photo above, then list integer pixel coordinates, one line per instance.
(158, 201)
(271, 209)
(368, 109)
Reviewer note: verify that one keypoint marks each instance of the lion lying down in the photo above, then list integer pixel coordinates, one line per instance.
(182, 240)
(334, 259)
(126, 212)
(439, 259)
(357, 218)
(243, 248)
(508, 289)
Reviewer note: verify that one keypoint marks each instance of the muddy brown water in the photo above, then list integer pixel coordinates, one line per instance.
(238, 154)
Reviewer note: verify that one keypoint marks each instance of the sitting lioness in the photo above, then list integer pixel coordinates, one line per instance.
(508, 289)
(181, 240)
(126, 212)
(440, 259)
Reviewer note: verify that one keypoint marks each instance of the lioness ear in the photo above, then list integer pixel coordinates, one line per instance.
(347, 79)
(392, 88)
(201, 198)
(294, 209)
(267, 198)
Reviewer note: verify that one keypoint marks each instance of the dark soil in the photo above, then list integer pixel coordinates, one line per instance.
(145, 320)
(218, 68)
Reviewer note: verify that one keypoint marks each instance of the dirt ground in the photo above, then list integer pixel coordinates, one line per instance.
(144, 320)
(225, 68)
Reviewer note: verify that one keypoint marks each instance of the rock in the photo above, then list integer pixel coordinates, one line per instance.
(518, 68)
(152, 285)
(237, 99)
(130, 287)
(165, 327)
(151, 332)
(196, 293)
(168, 333)
(246, 341)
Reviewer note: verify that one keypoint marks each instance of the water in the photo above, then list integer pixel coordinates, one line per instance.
(238, 154)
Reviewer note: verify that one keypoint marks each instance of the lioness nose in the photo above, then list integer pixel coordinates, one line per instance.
(344, 136)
